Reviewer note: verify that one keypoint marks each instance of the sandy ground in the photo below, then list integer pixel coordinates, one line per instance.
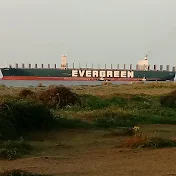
(105, 162)
(95, 153)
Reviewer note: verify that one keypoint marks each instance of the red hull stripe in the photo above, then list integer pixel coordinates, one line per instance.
(65, 78)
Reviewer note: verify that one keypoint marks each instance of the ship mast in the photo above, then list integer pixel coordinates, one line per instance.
(145, 58)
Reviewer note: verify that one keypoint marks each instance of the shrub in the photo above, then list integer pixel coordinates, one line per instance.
(159, 142)
(7, 129)
(3, 87)
(14, 149)
(19, 116)
(53, 97)
(169, 100)
(58, 97)
(17, 172)
(40, 85)
(149, 142)
(26, 93)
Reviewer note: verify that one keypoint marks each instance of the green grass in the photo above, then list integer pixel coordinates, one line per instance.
(120, 111)
(112, 106)
(113, 110)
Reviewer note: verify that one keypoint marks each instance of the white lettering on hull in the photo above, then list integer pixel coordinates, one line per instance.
(1, 75)
(103, 73)
(88, 73)
(81, 73)
(95, 73)
(123, 74)
(130, 74)
(74, 73)
(116, 74)
(109, 74)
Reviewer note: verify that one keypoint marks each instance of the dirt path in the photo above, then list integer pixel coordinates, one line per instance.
(106, 162)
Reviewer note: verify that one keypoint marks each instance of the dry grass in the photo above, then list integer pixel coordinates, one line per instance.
(135, 88)
(107, 89)
(89, 116)
(149, 142)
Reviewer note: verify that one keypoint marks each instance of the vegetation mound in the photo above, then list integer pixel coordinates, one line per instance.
(17, 172)
(169, 100)
(53, 97)
(19, 116)
(58, 97)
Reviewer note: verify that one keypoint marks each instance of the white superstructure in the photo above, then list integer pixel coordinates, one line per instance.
(143, 64)
(64, 62)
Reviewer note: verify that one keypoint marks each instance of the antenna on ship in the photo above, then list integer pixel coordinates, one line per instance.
(146, 57)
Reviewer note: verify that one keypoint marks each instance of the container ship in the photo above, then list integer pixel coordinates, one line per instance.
(142, 72)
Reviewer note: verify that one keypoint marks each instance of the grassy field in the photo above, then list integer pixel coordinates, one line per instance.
(123, 105)
(107, 89)
(96, 137)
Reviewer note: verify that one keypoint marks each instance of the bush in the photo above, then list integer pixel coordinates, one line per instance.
(169, 100)
(26, 93)
(58, 97)
(14, 149)
(19, 116)
(7, 129)
(53, 97)
(40, 85)
(3, 87)
(149, 142)
(18, 173)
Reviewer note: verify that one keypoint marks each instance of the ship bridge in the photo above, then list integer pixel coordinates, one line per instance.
(143, 64)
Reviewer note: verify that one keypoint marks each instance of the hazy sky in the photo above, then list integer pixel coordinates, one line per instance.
(88, 31)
